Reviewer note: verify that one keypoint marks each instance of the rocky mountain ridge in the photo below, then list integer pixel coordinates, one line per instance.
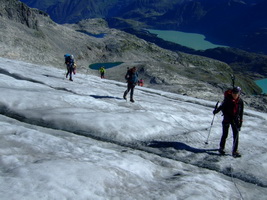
(236, 23)
(18, 12)
(47, 42)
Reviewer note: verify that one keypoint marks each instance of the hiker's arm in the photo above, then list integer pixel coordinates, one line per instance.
(215, 111)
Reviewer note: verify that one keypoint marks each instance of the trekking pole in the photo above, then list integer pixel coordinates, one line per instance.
(210, 130)
(233, 80)
(211, 123)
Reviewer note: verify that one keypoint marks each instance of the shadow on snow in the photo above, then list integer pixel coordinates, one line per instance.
(181, 146)
(104, 97)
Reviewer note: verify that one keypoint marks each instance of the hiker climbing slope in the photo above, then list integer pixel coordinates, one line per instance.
(69, 61)
(102, 72)
(132, 78)
(232, 108)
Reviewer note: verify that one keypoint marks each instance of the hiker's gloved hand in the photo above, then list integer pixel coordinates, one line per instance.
(215, 111)
(239, 125)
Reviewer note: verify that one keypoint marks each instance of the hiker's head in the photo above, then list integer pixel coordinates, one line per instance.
(236, 92)
(134, 69)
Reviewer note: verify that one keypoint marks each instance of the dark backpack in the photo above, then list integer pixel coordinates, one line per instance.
(68, 59)
(228, 93)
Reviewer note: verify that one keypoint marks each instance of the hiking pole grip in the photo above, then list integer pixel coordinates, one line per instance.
(215, 108)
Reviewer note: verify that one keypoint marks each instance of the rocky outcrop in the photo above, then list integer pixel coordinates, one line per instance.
(20, 12)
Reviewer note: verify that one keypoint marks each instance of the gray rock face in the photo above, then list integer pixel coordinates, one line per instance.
(19, 12)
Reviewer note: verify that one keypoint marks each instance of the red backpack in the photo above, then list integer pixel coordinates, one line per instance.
(227, 93)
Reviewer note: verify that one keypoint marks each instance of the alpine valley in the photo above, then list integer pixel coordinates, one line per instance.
(236, 23)
(29, 34)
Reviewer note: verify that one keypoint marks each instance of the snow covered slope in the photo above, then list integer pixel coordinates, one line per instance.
(81, 140)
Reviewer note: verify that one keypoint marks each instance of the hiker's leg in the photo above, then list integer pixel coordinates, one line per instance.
(235, 136)
(127, 90)
(70, 72)
(225, 127)
(132, 91)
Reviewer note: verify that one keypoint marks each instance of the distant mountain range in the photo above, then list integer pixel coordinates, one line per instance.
(236, 23)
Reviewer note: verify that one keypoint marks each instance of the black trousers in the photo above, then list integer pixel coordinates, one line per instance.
(130, 88)
(225, 127)
(70, 71)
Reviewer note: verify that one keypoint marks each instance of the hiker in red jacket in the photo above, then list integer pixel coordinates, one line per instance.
(232, 108)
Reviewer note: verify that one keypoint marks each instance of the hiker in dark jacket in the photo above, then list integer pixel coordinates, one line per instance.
(132, 78)
(69, 61)
(232, 108)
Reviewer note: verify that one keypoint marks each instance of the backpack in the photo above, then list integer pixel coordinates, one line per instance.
(228, 93)
(68, 59)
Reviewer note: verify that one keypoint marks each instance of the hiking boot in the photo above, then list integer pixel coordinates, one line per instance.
(71, 79)
(221, 151)
(132, 100)
(236, 154)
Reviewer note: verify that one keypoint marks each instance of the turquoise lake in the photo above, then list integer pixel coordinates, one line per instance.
(191, 40)
(262, 84)
(96, 66)
(101, 35)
